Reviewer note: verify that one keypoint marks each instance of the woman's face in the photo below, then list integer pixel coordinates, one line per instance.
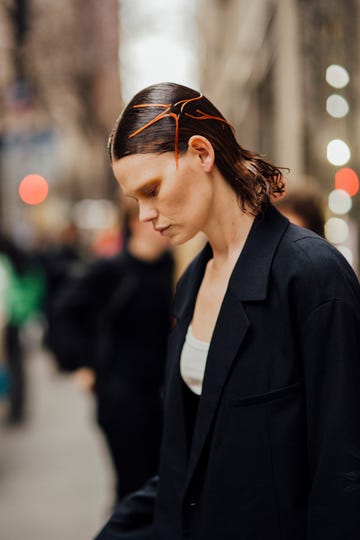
(177, 201)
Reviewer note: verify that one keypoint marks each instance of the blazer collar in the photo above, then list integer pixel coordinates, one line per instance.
(249, 278)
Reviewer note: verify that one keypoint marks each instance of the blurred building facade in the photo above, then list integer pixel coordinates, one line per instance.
(60, 92)
(264, 62)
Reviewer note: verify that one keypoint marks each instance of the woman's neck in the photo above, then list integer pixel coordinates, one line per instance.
(228, 226)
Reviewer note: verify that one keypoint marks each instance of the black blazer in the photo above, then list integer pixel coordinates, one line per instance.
(276, 447)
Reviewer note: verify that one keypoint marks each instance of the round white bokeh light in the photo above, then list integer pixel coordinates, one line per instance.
(337, 76)
(340, 201)
(336, 230)
(338, 152)
(337, 106)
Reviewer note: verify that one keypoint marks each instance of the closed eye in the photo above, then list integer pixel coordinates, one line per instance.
(150, 191)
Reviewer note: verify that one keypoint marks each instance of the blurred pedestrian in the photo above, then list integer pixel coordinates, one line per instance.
(62, 261)
(261, 433)
(4, 372)
(304, 207)
(24, 297)
(111, 325)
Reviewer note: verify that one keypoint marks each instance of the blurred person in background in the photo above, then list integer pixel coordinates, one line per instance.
(110, 326)
(261, 434)
(63, 259)
(4, 372)
(304, 207)
(24, 296)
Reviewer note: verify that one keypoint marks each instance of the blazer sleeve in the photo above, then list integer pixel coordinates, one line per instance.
(132, 518)
(330, 344)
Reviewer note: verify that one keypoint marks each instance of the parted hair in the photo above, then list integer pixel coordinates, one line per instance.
(163, 117)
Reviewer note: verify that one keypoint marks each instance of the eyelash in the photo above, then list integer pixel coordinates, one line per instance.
(152, 192)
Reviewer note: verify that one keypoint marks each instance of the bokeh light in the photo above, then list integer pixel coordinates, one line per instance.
(337, 76)
(95, 214)
(336, 230)
(348, 180)
(337, 106)
(33, 189)
(340, 201)
(338, 152)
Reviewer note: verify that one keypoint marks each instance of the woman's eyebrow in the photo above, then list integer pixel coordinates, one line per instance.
(142, 186)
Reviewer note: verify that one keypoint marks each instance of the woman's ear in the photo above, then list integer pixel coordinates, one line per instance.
(202, 147)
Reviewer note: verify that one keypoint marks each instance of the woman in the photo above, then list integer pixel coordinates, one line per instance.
(261, 423)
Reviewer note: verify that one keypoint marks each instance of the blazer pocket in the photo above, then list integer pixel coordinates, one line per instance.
(256, 399)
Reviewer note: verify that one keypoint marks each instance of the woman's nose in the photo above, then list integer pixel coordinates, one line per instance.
(146, 213)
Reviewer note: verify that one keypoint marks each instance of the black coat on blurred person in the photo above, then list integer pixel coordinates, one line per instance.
(61, 262)
(115, 320)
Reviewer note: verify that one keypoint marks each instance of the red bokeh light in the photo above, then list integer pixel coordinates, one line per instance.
(33, 189)
(348, 180)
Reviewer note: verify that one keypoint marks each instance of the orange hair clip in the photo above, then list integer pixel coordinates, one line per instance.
(168, 112)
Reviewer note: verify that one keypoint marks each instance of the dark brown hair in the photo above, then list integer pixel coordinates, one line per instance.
(162, 118)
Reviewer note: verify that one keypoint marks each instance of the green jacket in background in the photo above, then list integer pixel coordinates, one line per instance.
(24, 293)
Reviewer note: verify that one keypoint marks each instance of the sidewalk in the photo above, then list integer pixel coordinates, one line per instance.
(55, 478)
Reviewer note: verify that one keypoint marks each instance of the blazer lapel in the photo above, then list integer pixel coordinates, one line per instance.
(248, 282)
(176, 441)
(230, 330)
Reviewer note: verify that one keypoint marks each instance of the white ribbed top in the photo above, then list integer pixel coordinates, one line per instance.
(193, 362)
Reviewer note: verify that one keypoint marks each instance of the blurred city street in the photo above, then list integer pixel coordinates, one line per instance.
(55, 481)
(85, 290)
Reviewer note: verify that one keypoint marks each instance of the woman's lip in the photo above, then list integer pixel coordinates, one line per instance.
(162, 230)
